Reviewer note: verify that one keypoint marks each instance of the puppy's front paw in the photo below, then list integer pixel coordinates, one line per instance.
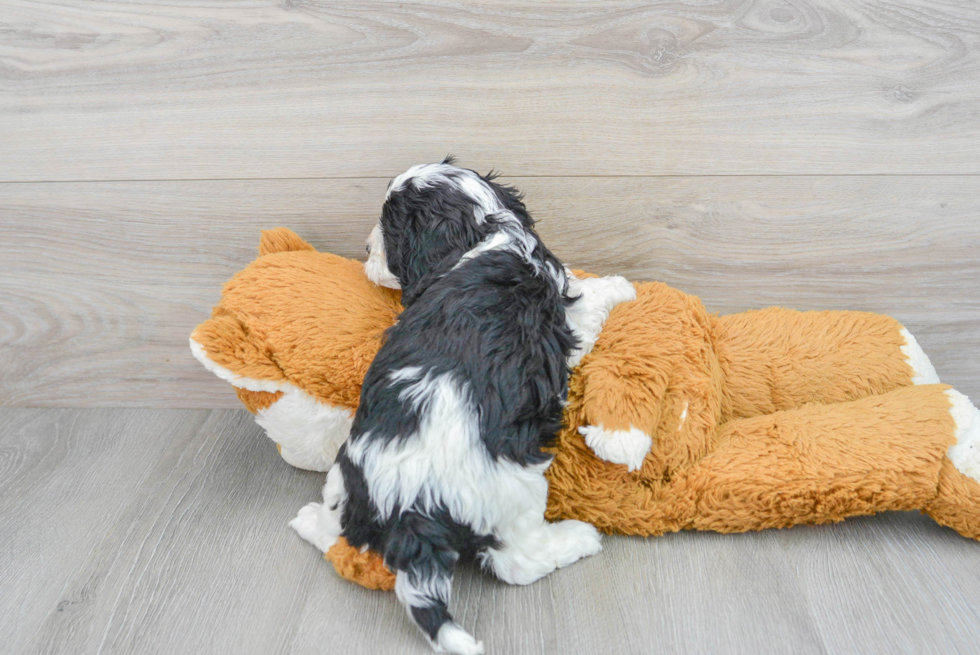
(628, 447)
(309, 525)
(575, 540)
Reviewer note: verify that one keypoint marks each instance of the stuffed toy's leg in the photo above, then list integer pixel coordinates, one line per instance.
(957, 505)
(912, 448)
(307, 432)
(777, 359)
(365, 568)
(917, 447)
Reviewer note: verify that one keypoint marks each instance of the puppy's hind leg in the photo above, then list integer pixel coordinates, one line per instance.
(529, 547)
(420, 552)
(530, 553)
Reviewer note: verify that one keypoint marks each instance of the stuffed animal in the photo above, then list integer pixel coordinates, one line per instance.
(677, 419)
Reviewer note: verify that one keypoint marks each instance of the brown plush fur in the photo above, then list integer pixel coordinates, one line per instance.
(763, 419)
(366, 569)
(282, 320)
(256, 400)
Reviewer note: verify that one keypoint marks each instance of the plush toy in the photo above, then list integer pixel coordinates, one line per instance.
(677, 419)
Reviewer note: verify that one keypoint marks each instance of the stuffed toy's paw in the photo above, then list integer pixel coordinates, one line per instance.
(596, 297)
(366, 568)
(629, 447)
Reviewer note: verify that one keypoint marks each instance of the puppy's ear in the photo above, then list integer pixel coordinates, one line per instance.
(426, 230)
(443, 233)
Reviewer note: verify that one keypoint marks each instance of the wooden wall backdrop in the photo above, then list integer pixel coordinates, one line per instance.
(811, 154)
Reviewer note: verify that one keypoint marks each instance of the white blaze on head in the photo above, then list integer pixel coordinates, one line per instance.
(509, 234)
(476, 188)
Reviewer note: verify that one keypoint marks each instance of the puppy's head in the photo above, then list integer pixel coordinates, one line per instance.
(432, 215)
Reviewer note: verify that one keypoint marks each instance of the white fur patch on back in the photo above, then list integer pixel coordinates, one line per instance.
(629, 447)
(511, 236)
(923, 371)
(309, 432)
(446, 462)
(965, 455)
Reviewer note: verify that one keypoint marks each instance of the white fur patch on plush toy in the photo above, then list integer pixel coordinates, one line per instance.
(965, 455)
(923, 372)
(627, 447)
(236, 380)
(587, 315)
(308, 432)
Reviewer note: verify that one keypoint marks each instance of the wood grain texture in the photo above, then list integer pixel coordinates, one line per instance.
(310, 88)
(105, 281)
(164, 531)
(833, 148)
(109, 279)
(67, 478)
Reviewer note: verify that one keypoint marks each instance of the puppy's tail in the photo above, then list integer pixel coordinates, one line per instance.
(419, 550)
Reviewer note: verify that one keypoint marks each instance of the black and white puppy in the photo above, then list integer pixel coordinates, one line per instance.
(445, 456)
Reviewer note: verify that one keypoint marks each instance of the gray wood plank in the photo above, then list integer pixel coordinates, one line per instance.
(891, 583)
(196, 557)
(688, 593)
(163, 531)
(66, 477)
(321, 89)
(105, 281)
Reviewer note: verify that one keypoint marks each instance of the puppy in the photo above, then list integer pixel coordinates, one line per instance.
(445, 457)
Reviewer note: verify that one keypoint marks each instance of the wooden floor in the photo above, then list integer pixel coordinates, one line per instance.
(815, 154)
(164, 531)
